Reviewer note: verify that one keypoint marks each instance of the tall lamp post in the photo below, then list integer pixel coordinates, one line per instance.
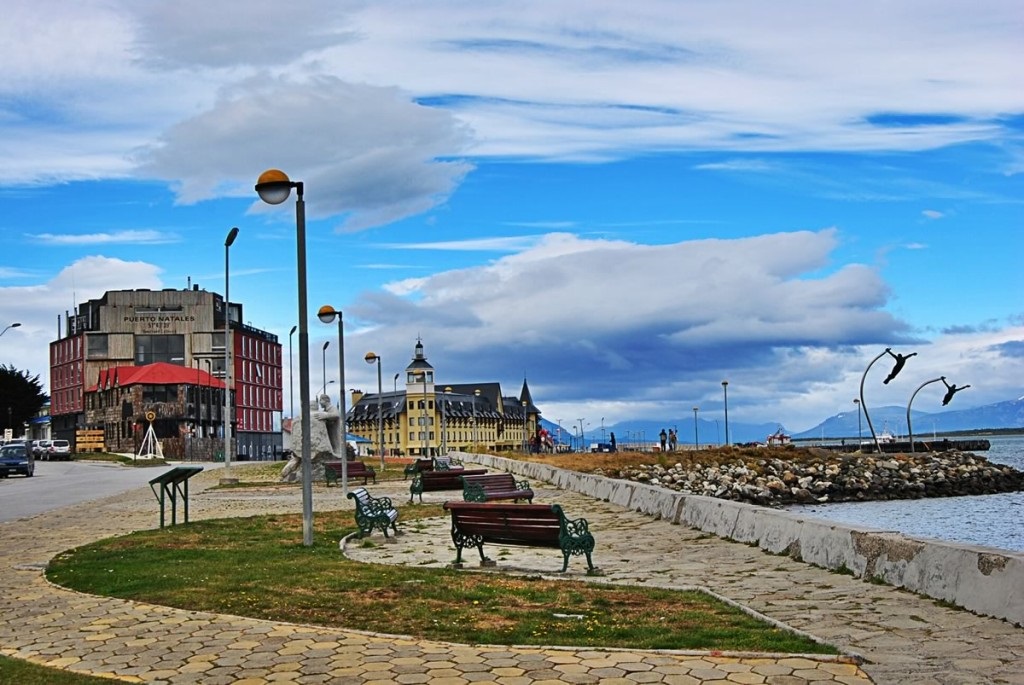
(696, 444)
(526, 445)
(14, 325)
(725, 404)
(274, 187)
(327, 314)
(859, 431)
(227, 479)
(370, 358)
(476, 440)
(291, 375)
(323, 367)
(444, 420)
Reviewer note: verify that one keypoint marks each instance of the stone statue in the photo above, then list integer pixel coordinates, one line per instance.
(325, 441)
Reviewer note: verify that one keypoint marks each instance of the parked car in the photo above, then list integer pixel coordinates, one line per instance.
(59, 450)
(40, 448)
(14, 458)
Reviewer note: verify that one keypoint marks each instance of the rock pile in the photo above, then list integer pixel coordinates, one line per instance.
(829, 477)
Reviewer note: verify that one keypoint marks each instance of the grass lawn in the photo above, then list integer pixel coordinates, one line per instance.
(258, 567)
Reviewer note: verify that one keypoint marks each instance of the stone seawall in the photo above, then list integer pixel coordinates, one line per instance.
(984, 580)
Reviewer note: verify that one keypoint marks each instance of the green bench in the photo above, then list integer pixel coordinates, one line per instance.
(489, 487)
(354, 469)
(432, 481)
(418, 466)
(373, 512)
(531, 525)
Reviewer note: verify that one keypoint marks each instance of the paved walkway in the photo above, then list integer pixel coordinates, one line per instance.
(906, 639)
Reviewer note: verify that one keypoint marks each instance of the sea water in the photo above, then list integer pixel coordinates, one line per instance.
(988, 520)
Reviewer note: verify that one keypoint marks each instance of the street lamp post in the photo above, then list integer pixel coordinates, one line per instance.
(274, 187)
(859, 432)
(291, 375)
(725, 400)
(526, 444)
(327, 314)
(370, 358)
(476, 440)
(444, 420)
(323, 367)
(696, 443)
(227, 479)
(10, 326)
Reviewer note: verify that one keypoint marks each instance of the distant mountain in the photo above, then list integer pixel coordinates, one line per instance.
(1008, 414)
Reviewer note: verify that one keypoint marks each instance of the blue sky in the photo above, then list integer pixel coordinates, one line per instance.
(624, 204)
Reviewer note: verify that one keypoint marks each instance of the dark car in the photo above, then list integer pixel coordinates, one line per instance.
(14, 458)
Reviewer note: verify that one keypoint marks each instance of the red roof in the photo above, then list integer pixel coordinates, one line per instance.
(158, 373)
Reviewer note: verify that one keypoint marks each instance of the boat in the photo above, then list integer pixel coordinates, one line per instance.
(778, 439)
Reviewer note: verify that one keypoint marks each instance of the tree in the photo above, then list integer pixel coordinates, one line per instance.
(21, 397)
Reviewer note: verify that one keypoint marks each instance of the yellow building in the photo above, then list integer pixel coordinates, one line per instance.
(428, 418)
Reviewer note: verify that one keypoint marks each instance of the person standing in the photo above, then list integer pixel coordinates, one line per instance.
(673, 440)
(663, 436)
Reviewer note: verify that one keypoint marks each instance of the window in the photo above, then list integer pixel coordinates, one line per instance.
(97, 346)
(159, 393)
(159, 348)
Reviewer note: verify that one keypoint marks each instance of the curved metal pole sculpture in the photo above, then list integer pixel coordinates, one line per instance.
(910, 429)
(864, 406)
(900, 361)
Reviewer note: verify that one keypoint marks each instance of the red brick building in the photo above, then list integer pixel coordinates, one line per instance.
(128, 329)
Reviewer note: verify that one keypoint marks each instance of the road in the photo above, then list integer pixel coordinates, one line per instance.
(60, 483)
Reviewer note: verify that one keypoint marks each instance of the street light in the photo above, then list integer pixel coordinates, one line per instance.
(10, 326)
(444, 419)
(725, 395)
(696, 444)
(859, 432)
(232, 234)
(476, 440)
(371, 358)
(274, 187)
(327, 314)
(323, 363)
(291, 375)
(526, 446)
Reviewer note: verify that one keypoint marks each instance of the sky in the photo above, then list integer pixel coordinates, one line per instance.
(624, 204)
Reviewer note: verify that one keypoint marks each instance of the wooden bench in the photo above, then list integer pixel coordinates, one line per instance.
(432, 481)
(355, 469)
(532, 525)
(373, 512)
(495, 486)
(419, 466)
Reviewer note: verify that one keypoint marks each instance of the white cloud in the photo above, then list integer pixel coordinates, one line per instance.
(141, 237)
(34, 305)
(612, 320)
(369, 152)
